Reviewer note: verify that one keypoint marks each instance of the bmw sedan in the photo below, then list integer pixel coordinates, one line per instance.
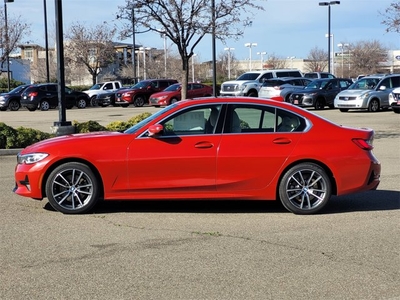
(211, 148)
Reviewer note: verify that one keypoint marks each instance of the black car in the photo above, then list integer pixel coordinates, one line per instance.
(11, 100)
(45, 96)
(320, 92)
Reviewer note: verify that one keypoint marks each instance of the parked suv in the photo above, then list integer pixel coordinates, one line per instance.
(317, 75)
(320, 92)
(139, 94)
(370, 92)
(394, 100)
(12, 99)
(249, 84)
(282, 87)
(100, 88)
(45, 96)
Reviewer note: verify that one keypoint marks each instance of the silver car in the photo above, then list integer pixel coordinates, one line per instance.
(282, 87)
(370, 92)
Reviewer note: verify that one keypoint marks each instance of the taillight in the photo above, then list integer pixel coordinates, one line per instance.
(33, 94)
(364, 144)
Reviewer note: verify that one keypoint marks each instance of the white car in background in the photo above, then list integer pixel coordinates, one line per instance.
(282, 87)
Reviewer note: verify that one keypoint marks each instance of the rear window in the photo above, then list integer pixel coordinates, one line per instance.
(270, 83)
(288, 74)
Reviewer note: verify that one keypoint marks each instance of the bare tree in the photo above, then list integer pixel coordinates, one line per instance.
(91, 47)
(185, 22)
(366, 56)
(10, 38)
(392, 17)
(275, 62)
(317, 60)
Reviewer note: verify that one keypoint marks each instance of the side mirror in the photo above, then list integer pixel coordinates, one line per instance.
(155, 129)
(382, 87)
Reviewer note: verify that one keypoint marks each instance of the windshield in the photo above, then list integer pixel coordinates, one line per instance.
(142, 123)
(19, 89)
(141, 85)
(317, 84)
(248, 76)
(365, 84)
(97, 86)
(173, 88)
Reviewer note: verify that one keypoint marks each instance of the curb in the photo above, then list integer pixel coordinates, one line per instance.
(5, 152)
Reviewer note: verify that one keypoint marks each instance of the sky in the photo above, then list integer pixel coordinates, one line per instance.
(285, 28)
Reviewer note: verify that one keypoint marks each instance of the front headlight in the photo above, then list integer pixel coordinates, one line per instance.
(31, 158)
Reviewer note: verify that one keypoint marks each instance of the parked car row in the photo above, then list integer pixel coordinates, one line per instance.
(41, 96)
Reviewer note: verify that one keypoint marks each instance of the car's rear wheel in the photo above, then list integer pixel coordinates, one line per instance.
(72, 188)
(319, 104)
(44, 105)
(373, 105)
(305, 189)
(81, 103)
(13, 105)
(138, 101)
(344, 109)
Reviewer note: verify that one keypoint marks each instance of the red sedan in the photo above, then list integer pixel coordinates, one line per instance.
(214, 148)
(173, 93)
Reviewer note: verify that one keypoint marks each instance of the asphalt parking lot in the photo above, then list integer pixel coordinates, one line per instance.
(204, 250)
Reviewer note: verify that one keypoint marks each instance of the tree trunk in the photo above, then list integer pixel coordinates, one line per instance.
(185, 77)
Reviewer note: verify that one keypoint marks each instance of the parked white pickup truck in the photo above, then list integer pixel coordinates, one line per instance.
(100, 88)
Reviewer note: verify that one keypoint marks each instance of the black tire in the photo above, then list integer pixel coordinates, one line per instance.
(319, 104)
(124, 105)
(31, 108)
(344, 109)
(305, 189)
(44, 105)
(396, 110)
(173, 100)
(252, 94)
(3, 108)
(93, 101)
(72, 188)
(373, 105)
(138, 101)
(81, 103)
(14, 105)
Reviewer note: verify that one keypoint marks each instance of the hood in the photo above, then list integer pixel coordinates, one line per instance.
(77, 138)
(354, 93)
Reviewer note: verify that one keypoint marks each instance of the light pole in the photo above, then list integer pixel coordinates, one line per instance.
(143, 49)
(7, 42)
(250, 45)
(229, 60)
(193, 56)
(291, 60)
(332, 54)
(342, 46)
(133, 45)
(329, 28)
(262, 58)
(46, 39)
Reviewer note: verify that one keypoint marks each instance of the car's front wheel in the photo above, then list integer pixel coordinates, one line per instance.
(138, 101)
(93, 101)
(173, 100)
(373, 105)
(72, 188)
(305, 189)
(319, 104)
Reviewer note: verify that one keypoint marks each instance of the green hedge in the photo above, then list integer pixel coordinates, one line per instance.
(22, 137)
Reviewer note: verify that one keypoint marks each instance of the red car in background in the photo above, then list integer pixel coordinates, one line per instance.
(173, 93)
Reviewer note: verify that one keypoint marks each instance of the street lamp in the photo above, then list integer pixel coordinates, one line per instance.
(7, 42)
(332, 54)
(250, 45)
(342, 46)
(143, 49)
(291, 60)
(229, 60)
(262, 60)
(329, 28)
